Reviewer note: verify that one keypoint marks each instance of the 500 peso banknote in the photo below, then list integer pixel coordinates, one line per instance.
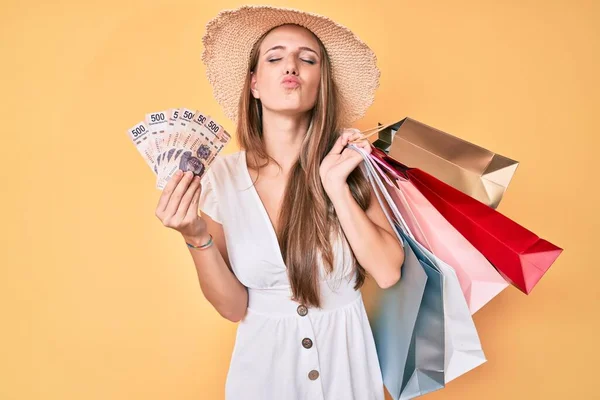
(178, 138)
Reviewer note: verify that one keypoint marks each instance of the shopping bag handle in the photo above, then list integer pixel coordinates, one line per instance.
(375, 181)
(379, 163)
(376, 164)
(381, 172)
(401, 195)
(371, 131)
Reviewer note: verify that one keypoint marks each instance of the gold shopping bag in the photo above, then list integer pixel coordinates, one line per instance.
(475, 171)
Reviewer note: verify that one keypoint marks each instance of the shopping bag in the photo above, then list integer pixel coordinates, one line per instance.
(474, 170)
(408, 332)
(518, 254)
(462, 348)
(424, 371)
(463, 351)
(479, 280)
(394, 322)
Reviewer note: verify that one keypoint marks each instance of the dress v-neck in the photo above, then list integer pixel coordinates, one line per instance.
(261, 206)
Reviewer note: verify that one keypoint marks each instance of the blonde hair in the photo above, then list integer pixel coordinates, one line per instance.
(307, 216)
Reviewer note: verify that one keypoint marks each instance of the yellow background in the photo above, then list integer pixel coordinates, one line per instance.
(100, 301)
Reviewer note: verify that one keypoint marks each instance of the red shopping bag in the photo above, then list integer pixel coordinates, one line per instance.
(518, 254)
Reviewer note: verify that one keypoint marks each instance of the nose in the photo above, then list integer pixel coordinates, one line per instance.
(290, 66)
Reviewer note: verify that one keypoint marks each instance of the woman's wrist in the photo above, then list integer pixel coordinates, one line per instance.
(198, 240)
(336, 191)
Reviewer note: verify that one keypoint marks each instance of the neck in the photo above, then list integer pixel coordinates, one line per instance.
(283, 136)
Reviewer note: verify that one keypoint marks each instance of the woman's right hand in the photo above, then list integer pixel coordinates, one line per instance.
(178, 205)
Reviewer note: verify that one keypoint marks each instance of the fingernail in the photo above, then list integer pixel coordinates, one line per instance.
(179, 173)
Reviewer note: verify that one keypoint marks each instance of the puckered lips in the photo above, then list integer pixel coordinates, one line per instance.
(290, 82)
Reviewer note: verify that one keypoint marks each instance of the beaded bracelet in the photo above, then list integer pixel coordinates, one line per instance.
(202, 247)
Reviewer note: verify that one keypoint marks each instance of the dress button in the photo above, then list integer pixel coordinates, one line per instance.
(307, 343)
(302, 310)
(312, 375)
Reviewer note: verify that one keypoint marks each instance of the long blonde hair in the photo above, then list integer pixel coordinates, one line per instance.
(307, 216)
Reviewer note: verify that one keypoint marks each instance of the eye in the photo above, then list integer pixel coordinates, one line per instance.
(274, 59)
(311, 62)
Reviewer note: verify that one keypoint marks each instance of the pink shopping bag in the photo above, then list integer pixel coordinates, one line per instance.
(479, 280)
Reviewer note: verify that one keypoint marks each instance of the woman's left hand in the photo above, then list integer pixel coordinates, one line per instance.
(341, 161)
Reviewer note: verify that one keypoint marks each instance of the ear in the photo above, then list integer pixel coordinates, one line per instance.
(253, 88)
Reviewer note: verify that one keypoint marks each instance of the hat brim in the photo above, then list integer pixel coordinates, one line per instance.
(230, 36)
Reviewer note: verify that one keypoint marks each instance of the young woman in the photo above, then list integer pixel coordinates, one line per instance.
(290, 227)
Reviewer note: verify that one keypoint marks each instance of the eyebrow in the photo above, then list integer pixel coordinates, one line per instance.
(280, 47)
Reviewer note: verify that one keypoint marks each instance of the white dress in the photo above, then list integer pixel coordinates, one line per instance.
(284, 350)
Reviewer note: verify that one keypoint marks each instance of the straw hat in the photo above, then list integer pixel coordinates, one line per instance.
(230, 36)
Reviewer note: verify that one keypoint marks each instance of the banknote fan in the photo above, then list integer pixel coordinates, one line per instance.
(178, 138)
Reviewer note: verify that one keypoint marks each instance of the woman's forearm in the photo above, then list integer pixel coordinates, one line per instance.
(378, 251)
(218, 283)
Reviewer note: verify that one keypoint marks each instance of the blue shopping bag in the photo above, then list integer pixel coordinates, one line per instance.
(409, 328)
(394, 322)
(424, 370)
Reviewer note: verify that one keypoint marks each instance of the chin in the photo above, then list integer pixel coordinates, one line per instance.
(291, 110)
